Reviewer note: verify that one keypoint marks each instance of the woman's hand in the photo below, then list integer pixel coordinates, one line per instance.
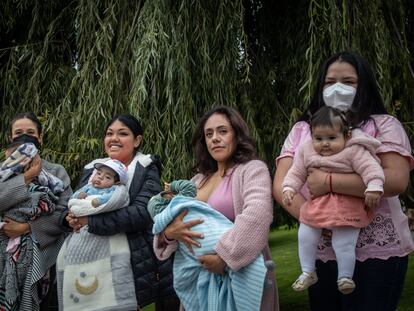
(318, 182)
(181, 231)
(76, 222)
(14, 229)
(33, 169)
(212, 263)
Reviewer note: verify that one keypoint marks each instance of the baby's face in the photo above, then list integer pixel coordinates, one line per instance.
(9, 151)
(328, 140)
(104, 178)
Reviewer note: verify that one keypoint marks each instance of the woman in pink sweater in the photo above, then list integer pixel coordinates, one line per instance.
(334, 149)
(231, 179)
(347, 82)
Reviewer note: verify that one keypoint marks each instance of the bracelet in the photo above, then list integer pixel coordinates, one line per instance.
(167, 240)
(330, 182)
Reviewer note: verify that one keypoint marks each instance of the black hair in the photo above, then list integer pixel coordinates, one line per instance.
(328, 116)
(26, 115)
(367, 101)
(130, 122)
(245, 145)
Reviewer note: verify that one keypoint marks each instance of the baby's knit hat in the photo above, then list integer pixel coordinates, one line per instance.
(184, 187)
(117, 167)
(178, 187)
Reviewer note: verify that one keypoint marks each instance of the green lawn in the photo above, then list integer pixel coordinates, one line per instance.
(283, 244)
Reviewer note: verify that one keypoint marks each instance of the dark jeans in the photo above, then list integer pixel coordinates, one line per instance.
(379, 284)
(168, 304)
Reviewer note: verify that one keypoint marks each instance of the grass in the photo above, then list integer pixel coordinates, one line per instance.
(283, 245)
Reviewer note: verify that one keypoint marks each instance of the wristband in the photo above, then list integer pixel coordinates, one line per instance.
(167, 240)
(330, 182)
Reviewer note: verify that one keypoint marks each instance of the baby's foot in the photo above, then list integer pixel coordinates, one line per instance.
(346, 285)
(304, 281)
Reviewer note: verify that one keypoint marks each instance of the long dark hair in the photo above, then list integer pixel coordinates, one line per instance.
(26, 115)
(367, 101)
(130, 122)
(245, 145)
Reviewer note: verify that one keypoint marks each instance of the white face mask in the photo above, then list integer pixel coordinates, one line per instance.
(339, 96)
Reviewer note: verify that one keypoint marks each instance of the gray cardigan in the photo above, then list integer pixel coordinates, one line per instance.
(46, 229)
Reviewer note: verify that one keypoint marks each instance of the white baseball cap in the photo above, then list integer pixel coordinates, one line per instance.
(117, 167)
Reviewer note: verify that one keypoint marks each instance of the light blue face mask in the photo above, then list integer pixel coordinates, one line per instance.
(339, 96)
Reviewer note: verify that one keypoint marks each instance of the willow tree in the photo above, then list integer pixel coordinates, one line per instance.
(77, 63)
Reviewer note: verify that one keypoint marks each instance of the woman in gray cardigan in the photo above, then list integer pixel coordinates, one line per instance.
(44, 233)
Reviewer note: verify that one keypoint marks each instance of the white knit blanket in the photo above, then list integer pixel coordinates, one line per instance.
(94, 272)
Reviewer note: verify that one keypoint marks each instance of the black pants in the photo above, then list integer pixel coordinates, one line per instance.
(379, 284)
(168, 304)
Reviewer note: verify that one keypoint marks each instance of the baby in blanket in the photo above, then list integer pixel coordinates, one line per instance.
(103, 182)
(94, 272)
(197, 288)
(43, 190)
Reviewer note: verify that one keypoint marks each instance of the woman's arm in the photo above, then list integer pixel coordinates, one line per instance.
(396, 170)
(283, 167)
(242, 244)
(135, 216)
(14, 190)
(47, 228)
(319, 183)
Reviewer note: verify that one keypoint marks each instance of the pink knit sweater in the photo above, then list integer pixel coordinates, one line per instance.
(253, 208)
(357, 156)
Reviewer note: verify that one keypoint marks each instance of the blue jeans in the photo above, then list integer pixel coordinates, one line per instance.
(379, 284)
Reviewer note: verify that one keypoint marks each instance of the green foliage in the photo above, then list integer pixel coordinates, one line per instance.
(77, 63)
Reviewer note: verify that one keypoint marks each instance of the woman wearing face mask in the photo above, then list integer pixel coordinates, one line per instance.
(41, 237)
(347, 83)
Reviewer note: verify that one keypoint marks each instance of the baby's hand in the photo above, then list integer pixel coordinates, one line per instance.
(372, 198)
(168, 195)
(288, 197)
(82, 195)
(167, 187)
(95, 202)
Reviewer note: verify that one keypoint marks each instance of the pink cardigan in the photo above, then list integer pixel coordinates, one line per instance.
(253, 207)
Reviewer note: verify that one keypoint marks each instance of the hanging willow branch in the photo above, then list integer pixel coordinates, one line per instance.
(77, 63)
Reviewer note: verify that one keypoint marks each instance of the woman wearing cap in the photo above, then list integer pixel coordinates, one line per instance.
(152, 278)
(41, 236)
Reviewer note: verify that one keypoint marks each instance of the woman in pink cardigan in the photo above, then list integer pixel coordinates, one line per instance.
(383, 246)
(233, 181)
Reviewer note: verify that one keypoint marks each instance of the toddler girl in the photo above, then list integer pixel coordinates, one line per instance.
(334, 148)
